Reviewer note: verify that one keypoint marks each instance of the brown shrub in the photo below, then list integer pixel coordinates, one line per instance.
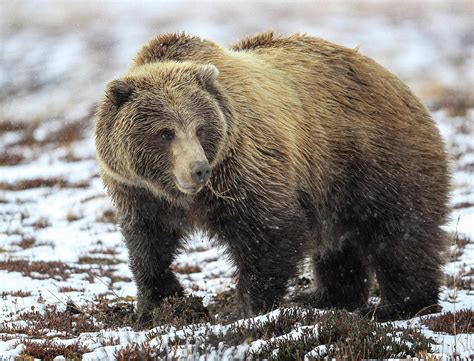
(48, 350)
(186, 269)
(136, 353)
(40, 183)
(181, 311)
(11, 158)
(69, 289)
(26, 242)
(57, 270)
(451, 323)
(16, 293)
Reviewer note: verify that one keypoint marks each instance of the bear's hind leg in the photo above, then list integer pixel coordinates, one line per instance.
(343, 279)
(408, 270)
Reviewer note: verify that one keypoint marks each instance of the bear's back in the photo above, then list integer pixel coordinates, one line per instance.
(299, 45)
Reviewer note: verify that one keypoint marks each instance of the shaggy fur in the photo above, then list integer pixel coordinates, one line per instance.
(314, 148)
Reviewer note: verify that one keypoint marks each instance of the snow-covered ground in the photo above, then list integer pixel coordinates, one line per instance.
(59, 244)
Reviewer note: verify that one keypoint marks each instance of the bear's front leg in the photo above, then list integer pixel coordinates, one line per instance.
(266, 257)
(152, 245)
(151, 252)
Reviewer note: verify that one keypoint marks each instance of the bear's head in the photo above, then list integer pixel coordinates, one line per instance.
(163, 126)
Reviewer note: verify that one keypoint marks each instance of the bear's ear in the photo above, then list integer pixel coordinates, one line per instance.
(207, 74)
(118, 92)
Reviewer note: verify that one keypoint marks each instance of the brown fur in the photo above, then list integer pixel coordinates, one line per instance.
(313, 146)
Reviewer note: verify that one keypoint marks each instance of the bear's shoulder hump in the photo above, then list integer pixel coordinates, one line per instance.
(170, 46)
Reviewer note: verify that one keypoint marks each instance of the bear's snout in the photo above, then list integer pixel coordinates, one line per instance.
(200, 172)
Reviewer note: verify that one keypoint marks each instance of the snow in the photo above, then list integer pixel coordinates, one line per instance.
(54, 66)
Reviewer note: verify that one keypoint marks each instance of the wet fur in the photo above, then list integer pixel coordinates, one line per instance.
(324, 153)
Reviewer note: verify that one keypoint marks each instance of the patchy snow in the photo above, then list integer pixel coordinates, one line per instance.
(53, 207)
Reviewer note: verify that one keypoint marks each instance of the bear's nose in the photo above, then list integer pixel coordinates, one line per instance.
(200, 172)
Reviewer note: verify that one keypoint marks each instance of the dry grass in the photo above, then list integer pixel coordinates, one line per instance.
(459, 243)
(463, 280)
(42, 222)
(108, 216)
(71, 216)
(102, 261)
(108, 250)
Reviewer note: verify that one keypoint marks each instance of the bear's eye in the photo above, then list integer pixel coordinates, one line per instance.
(166, 134)
(200, 132)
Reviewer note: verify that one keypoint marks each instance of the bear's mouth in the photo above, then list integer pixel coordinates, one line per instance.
(189, 189)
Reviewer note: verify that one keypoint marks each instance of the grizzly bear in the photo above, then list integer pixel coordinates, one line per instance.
(278, 148)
